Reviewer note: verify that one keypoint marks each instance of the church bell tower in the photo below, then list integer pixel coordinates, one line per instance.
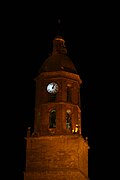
(56, 150)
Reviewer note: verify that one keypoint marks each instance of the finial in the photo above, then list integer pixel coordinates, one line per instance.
(28, 131)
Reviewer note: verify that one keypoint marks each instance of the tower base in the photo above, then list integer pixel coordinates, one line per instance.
(63, 157)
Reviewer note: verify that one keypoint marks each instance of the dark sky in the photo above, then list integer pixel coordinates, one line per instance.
(28, 33)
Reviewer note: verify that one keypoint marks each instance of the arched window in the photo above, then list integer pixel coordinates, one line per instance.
(52, 119)
(68, 120)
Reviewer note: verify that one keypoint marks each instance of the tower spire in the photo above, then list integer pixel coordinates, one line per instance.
(58, 41)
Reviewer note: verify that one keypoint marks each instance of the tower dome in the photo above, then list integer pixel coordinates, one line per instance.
(58, 61)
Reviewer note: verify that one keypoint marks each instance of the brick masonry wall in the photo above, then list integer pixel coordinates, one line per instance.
(64, 157)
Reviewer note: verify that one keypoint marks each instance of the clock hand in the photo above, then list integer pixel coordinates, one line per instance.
(53, 86)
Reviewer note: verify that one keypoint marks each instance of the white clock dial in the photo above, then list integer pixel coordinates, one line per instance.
(52, 87)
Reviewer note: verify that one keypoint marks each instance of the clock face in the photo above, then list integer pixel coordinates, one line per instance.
(52, 87)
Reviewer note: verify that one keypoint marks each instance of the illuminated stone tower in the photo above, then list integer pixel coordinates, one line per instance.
(56, 149)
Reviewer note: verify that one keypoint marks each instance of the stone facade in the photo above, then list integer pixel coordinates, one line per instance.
(56, 157)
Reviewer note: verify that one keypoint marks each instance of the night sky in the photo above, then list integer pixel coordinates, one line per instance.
(28, 36)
